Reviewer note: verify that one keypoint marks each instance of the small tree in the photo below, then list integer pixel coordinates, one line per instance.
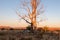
(45, 28)
(34, 9)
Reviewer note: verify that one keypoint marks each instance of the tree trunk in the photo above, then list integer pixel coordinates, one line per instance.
(33, 14)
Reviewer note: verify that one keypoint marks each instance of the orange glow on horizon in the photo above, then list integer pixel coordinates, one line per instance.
(24, 24)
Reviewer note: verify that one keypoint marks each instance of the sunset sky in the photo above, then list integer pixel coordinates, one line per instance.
(8, 16)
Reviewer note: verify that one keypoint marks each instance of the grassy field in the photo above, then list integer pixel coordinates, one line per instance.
(28, 35)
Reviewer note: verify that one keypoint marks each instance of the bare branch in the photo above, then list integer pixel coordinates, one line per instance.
(26, 8)
(18, 13)
(38, 2)
(27, 21)
(23, 17)
(41, 10)
(42, 7)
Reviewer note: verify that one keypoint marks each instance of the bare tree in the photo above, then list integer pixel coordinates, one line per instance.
(34, 9)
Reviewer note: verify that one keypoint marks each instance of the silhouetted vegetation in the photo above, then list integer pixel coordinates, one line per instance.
(26, 39)
(11, 29)
(28, 28)
(2, 28)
